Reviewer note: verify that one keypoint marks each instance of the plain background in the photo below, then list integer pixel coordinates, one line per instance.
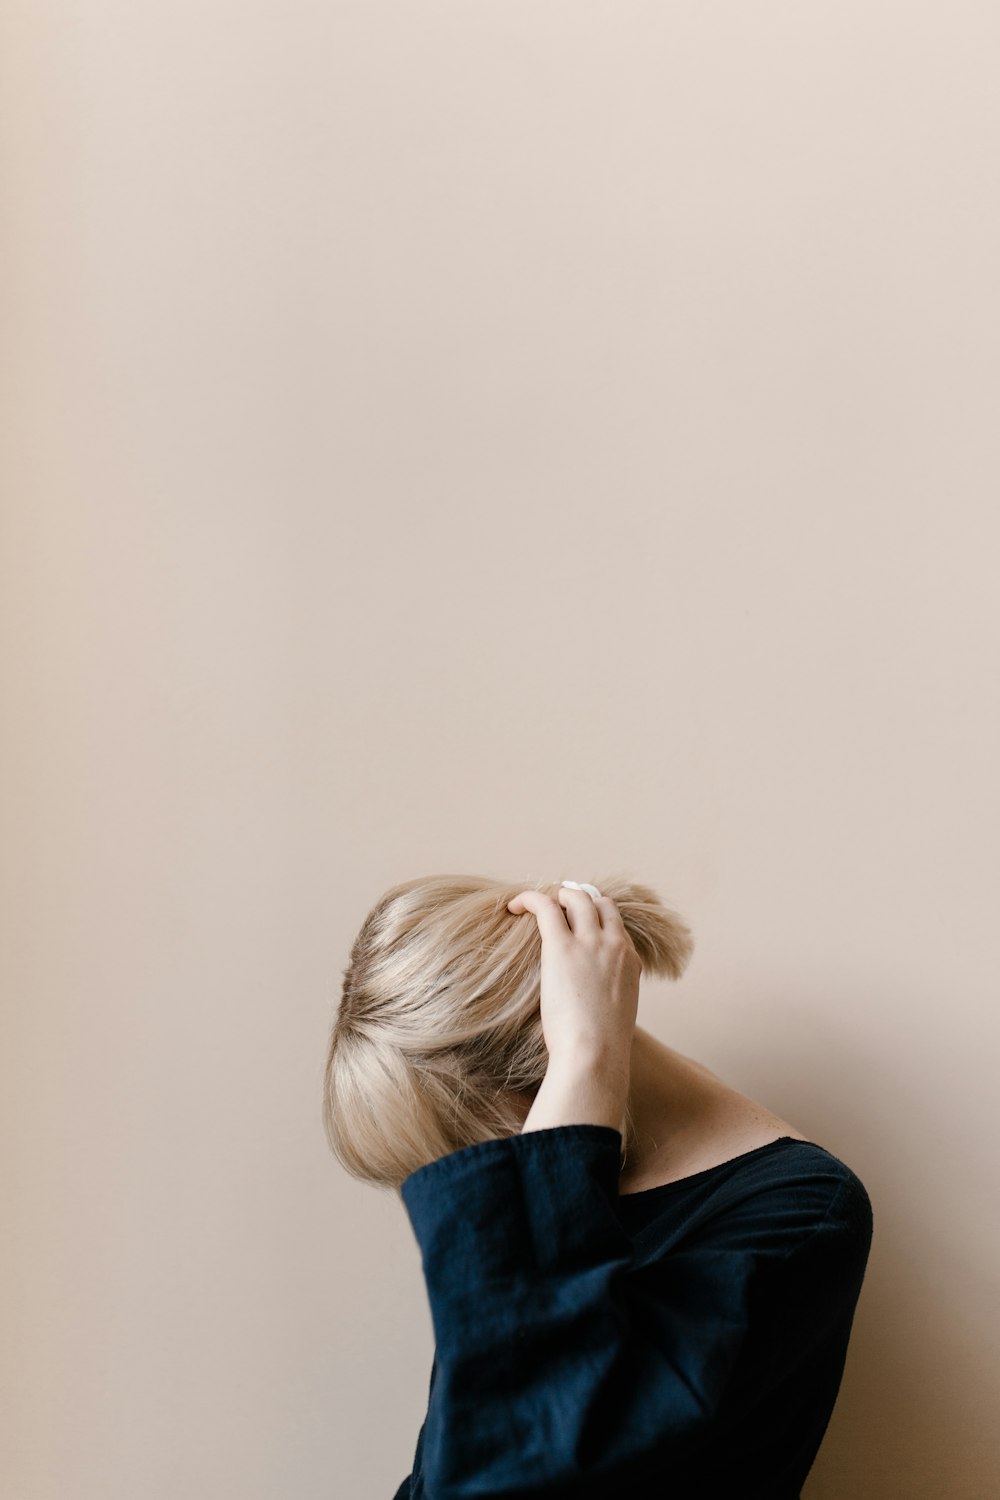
(537, 440)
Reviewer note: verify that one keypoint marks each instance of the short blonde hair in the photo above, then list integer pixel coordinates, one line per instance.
(438, 1026)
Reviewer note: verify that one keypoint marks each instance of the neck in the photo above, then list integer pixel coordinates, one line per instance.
(672, 1102)
(684, 1117)
(672, 1099)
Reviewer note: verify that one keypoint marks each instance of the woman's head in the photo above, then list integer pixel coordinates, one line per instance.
(437, 1041)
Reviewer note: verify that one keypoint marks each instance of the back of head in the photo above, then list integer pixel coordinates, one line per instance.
(438, 1028)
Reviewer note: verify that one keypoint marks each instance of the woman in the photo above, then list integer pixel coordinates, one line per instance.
(641, 1282)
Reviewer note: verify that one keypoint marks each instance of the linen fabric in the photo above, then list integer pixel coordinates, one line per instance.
(685, 1341)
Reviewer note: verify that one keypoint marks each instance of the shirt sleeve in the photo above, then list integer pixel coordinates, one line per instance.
(560, 1357)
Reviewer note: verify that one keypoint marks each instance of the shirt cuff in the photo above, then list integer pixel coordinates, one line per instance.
(544, 1199)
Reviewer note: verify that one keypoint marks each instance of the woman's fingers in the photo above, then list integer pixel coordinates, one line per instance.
(577, 910)
(547, 912)
(581, 912)
(588, 988)
(609, 913)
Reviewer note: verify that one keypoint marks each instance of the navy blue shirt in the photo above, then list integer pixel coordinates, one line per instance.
(685, 1341)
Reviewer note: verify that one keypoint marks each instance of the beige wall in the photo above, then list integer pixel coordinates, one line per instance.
(534, 439)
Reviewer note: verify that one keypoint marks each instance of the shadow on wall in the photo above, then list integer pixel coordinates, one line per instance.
(915, 1419)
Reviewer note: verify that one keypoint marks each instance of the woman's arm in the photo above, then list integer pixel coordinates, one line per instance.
(583, 1090)
(590, 975)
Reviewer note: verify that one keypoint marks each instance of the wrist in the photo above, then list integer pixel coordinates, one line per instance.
(588, 1060)
(582, 1085)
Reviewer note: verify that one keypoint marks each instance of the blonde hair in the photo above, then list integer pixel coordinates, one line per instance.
(438, 1024)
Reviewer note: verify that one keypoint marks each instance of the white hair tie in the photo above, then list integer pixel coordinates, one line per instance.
(580, 885)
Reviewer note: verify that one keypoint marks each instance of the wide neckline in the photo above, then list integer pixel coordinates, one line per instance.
(682, 1182)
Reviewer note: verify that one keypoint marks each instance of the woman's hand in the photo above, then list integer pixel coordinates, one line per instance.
(590, 974)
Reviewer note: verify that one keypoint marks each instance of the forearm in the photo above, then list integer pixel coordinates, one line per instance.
(590, 1088)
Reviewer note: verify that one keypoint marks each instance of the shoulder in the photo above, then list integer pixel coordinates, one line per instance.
(820, 1186)
(807, 1166)
(776, 1200)
(847, 1215)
